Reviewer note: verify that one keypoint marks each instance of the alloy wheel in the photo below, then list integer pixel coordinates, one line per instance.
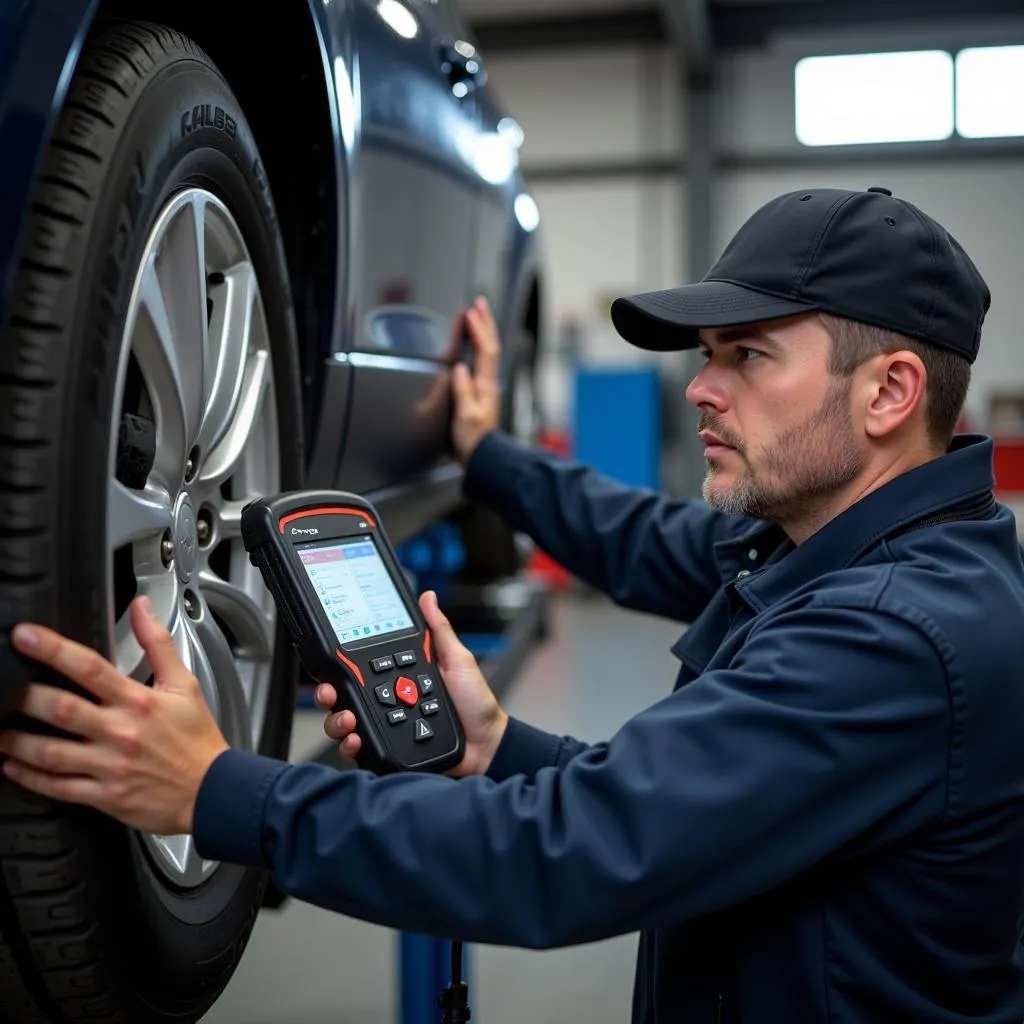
(194, 436)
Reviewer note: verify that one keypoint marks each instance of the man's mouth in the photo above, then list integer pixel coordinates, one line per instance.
(714, 445)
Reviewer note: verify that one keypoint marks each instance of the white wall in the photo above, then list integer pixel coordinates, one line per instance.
(609, 236)
(981, 202)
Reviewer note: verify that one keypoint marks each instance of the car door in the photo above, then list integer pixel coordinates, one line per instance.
(414, 198)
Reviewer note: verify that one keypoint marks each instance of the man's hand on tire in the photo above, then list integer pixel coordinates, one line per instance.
(482, 718)
(143, 752)
(477, 395)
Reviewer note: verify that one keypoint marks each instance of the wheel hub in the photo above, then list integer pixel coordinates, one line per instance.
(185, 539)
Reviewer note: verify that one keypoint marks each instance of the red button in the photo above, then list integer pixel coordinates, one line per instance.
(405, 691)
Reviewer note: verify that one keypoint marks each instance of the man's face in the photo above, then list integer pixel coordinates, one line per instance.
(778, 433)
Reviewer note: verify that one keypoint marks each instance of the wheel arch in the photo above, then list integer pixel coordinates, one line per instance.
(284, 83)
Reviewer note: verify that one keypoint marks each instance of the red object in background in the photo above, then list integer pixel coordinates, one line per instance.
(540, 564)
(1009, 467)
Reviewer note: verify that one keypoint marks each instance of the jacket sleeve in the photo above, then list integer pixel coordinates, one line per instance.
(832, 730)
(644, 550)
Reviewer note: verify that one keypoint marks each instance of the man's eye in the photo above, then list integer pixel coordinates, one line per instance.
(746, 354)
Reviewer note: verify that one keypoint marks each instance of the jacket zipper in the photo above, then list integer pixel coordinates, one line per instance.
(719, 1000)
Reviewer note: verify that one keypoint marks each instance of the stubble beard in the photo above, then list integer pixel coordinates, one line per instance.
(801, 470)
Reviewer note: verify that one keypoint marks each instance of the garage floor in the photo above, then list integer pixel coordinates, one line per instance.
(306, 966)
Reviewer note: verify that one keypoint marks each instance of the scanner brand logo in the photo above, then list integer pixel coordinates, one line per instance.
(310, 531)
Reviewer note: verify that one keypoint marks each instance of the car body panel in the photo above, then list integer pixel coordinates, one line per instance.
(420, 219)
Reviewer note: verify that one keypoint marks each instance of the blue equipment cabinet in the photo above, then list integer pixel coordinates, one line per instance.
(617, 422)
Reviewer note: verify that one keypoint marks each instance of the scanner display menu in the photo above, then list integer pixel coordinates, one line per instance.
(355, 589)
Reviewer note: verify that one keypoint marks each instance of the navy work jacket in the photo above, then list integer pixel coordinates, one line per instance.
(822, 821)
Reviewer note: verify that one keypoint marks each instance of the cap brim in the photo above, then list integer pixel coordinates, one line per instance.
(668, 321)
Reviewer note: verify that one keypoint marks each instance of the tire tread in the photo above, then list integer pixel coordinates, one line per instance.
(51, 969)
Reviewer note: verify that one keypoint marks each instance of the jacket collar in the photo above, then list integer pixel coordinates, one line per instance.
(964, 472)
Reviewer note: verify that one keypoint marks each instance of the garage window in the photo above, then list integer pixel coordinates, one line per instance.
(861, 98)
(989, 92)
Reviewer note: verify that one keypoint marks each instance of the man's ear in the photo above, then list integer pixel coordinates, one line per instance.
(895, 393)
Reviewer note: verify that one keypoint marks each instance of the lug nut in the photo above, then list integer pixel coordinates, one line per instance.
(191, 608)
(167, 551)
(203, 530)
(191, 463)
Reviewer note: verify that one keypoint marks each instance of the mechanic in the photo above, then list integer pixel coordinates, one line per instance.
(824, 819)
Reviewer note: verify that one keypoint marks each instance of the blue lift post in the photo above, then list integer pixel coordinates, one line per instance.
(499, 624)
(425, 962)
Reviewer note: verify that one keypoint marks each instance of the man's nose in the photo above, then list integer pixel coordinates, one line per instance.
(707, 390)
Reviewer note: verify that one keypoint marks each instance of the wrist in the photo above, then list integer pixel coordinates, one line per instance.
(186, 821)
(468, 450)
(495, 735)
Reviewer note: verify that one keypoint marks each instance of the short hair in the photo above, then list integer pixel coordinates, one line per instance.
(949, 374)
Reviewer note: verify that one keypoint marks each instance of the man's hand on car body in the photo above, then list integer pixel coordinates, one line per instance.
(477, 395)
(482, 718)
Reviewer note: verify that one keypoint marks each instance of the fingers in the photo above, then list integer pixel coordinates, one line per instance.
(69, 789)
(340, 726)
(462, 383)
(483, 332)
(79, 663)
(350, 747)
(325, 697)
(157, 642)
(65, 710)
(449, 648)
(61, 757)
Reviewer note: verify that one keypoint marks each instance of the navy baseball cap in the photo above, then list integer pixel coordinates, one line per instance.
(865, 256)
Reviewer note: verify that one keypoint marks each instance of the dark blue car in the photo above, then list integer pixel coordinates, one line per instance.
(234, 244)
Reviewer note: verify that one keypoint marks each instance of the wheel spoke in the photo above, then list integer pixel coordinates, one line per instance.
(180, 851)
(135, 515)
(155, 348)
(129, 657)
(230, 520)
(223, 461)
(233, 716)
(251, 627)
(230, 329)
(181, 272)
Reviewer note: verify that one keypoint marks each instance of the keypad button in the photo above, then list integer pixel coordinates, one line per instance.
(405, 690)
(430, 707)
(396, 716)
(385, 664)
(385, 695)
(404, 658)
(426, 684)
(423, 731)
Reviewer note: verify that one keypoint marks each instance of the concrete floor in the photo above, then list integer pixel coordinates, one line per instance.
(306, 966)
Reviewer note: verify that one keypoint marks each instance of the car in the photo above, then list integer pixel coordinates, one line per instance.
(235, 245)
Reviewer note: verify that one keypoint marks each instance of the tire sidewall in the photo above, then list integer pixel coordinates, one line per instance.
(186, 130)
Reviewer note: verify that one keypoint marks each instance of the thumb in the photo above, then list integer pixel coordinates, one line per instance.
(158, 644)
(450, 650)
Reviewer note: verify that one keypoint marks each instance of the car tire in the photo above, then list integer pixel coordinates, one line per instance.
(101, 406)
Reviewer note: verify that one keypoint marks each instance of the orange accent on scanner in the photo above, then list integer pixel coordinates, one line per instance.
(355, 668)
(426, 646)
(282, 523)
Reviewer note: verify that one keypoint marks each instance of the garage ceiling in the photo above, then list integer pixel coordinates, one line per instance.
(516, 24)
